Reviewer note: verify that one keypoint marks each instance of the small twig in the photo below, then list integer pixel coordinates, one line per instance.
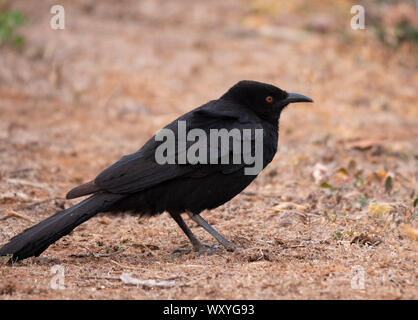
(96, 255)
(98, 278)
(259, 194)
(104, 255)
(37, 203)
(27, 183)
(12, 213)
(125, 266)
(15, 172)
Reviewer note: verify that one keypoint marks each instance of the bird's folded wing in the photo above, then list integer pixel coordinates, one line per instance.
(139, 171)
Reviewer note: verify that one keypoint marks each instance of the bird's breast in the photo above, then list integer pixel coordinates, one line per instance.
(269, 146)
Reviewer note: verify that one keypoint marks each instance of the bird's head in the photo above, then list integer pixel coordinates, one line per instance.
(266, 100)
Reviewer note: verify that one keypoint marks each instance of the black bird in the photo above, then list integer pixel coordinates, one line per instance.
(137, 183)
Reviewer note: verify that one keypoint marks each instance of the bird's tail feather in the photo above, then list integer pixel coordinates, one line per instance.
(35, 240)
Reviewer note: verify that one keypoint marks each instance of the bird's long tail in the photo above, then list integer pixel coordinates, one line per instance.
(35, 240)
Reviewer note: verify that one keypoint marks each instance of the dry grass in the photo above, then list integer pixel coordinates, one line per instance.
(74, 101)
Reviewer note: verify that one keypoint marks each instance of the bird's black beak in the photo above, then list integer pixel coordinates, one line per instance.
(294, 97)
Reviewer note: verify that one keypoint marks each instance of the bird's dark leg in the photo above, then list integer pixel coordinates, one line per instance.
(202, 222)
(197, 245)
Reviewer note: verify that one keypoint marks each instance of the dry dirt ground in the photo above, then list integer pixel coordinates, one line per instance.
(335, 206)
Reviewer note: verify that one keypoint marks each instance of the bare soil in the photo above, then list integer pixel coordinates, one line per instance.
(336, 203)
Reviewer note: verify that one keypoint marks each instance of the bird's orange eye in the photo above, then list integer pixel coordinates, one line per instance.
(269, 99)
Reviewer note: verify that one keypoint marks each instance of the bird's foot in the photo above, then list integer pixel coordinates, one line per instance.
(206, 248)
(229, 246)
(181, 251)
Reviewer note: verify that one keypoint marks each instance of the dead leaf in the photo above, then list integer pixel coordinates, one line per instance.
(287, 218)
(388, 184)
(380, 208)
(285, 206)
(364, 239)
(410, 231)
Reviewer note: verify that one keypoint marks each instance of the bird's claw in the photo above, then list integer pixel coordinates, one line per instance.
(206, 248)
(181, 251)
(230, 247)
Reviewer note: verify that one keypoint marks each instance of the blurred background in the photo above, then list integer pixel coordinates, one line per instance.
(73, 101)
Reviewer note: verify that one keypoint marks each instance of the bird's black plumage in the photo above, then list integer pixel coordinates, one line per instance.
(137, 183)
